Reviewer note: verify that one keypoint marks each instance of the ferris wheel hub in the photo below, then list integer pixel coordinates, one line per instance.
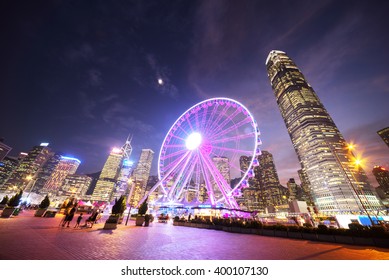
(193, 141)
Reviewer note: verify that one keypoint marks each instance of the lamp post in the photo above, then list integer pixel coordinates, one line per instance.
(31, 181)
(129, 198)
(357, 163)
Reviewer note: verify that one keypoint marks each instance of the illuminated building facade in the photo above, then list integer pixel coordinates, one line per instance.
(122, 187)
(7, 166)
(66, 166)
(75, 185)
(272, 191)
(264, 188)
(320, 147)
(293, 189)
(384, 134)
(107, 182)
(28, 168)
(141, 175)
(223, 165)
(45, 173)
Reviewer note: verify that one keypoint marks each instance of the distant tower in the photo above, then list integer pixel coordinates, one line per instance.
(28, 168)
(293, 189)
(222, 164)
(320, 147)
(384, 134)
(141, 175)
(126, 169)
(271, 189)
(107, 181)
(382, 177)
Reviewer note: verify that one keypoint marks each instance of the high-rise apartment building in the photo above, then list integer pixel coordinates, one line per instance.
(28, 168)
(320, 147)
(384, 134)
(66, 166)
(109, 175)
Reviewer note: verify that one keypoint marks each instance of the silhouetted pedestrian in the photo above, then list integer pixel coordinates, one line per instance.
(78, 221)
(69, 217)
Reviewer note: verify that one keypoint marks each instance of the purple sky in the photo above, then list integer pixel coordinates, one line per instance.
(83, 74)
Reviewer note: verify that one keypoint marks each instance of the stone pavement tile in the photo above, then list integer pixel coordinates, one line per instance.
(28, 237)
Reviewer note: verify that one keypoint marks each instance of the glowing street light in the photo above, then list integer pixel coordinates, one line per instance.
(358, 162)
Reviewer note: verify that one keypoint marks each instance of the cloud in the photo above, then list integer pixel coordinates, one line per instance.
(87, 105)
(82, 52)
(94, 77)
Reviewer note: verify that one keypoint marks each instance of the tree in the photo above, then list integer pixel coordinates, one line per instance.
(143, 208)
(15, 200)
(120, 206)
(45, 203)
(4, 200)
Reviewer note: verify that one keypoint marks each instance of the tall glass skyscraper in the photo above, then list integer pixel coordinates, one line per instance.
(141, 175)
(109, 175)
(336, 184)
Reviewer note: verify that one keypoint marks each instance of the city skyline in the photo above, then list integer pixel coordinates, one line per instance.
(100, 79)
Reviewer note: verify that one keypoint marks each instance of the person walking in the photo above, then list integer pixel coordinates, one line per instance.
(69, 217)
(78, 221)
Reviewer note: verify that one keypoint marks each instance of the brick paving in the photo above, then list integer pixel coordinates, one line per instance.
(26, 237)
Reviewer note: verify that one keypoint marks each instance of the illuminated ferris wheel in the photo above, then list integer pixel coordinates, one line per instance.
(202, 152)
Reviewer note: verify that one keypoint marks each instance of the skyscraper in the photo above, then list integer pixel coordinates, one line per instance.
(44, 173)
(141, 175)
(66, 166)
(222, 164)
(320, 147)
(28, 167)
(125, 170)
(384, 134)
(382, 177)
(272, 191)
(108, 178)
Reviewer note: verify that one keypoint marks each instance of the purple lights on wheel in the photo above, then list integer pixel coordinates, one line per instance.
(202, 150)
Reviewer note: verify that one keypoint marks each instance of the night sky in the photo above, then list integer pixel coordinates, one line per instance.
(82, 75)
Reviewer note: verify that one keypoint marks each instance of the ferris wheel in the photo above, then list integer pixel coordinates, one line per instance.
(208, 145)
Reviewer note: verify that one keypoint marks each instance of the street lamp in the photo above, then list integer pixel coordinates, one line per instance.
(350, 147)
(130, 182)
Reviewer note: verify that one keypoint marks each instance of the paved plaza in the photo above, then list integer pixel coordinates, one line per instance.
(27, 237)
